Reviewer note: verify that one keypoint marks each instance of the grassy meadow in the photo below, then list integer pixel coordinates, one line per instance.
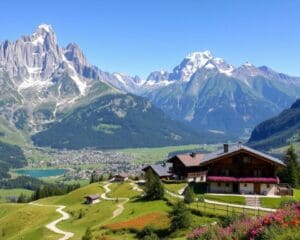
(15, 193)
(30, 220)
(154, 155)
(26, 222)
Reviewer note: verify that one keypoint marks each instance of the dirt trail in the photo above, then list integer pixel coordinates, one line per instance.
(120, 206)
(52, 225)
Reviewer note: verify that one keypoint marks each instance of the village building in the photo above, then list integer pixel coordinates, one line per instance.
(162, 170)
(92, 199)
(233, 169)
(122, 177)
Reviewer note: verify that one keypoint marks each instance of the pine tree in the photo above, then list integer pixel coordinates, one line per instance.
(154, 188)
(188, 195)
(101, 178)
(22, 198)
(180, 216)
(292, 167)
(94, 178)
(110, 176)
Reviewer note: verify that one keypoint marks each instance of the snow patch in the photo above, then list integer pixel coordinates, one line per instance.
(246, 118)
(218, 60)
(209, 66)
(247, 64)
(227, 71)
(79, 82)
(216, 131)
(120, 78)
(160, 83)
(33, 79)
(39, 40)
(194, 56)
(46, 27)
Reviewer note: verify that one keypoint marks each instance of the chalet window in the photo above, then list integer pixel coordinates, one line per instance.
(201, 178)
(268, 185)
(225, 172)
(219, 184)
(257, 173)
(227, 184)
(245, 185)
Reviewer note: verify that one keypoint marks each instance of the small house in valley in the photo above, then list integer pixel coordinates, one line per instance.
(122, 177)
(233, 169)
(92, 199)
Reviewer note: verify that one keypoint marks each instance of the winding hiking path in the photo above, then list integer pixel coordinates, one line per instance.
(135, 187)
(52, 225)
(120, 206)
(174, 194)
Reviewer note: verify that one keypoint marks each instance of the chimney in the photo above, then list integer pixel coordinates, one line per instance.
(225, 146)
(193, 154)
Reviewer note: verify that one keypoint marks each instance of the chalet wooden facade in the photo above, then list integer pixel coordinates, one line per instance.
(234, 169)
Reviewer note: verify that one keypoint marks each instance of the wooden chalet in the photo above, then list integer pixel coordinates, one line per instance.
(233, 169)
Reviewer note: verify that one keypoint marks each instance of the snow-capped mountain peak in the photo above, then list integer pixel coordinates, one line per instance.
(197, 60)
(223, 67)
(248, 65)
(45, 27)
(199, 56)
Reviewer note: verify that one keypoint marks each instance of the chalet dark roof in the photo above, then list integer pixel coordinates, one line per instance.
(162, 170)
(201, 159)
(93, 197)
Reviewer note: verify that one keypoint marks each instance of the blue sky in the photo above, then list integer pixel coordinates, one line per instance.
(137, 37)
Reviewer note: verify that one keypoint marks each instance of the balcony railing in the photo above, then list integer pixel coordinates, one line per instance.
(243, 179)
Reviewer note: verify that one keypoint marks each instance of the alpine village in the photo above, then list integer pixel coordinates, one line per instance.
(208, 149)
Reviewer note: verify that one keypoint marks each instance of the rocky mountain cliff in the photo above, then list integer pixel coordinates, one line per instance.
(53, 94)
(40, 79)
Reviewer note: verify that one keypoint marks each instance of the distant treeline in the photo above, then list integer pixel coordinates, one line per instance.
(26, 182)
(53, 190)
(11, 156)
(41, 189)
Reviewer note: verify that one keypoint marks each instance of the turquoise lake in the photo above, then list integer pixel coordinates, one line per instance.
(39, 173)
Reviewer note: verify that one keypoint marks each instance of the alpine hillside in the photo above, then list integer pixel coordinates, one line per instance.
(278, 131)
(119, 121)
(208, 93)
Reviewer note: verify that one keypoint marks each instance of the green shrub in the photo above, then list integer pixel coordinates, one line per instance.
(147, 233)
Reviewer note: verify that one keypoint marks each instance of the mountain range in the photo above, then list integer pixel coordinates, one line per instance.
(208, 93)
(45, 86)
(278, 131)
(49, 90)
